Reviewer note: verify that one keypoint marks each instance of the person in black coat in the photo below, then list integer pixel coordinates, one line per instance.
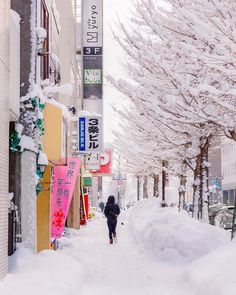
(111, 212)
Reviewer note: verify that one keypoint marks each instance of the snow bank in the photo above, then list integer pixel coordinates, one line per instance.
(167, 235)
(215, 270)
(48, 273)
(42, 159)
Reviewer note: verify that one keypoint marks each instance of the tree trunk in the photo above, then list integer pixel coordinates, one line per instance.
(138, 188)
(145, 193)
(205, 184)
(156, 185)
(200, 186)
(196, 188)
(182, 190)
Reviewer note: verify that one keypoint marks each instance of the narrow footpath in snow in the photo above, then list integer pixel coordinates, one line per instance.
(172, 255)
(120, 268)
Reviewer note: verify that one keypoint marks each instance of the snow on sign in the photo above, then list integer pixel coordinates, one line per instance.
(90, 134)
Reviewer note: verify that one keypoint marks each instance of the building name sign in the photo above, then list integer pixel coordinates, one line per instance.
(90, 130)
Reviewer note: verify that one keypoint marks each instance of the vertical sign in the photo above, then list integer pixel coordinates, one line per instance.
(92, 49)
(63, 187)
(90, 134)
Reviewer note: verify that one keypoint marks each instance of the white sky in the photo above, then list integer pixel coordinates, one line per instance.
(112, 58)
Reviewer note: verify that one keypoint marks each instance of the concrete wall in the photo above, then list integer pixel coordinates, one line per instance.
(4, 131)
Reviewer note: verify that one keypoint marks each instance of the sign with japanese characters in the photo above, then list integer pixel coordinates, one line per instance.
(90, 134)
(64, 179)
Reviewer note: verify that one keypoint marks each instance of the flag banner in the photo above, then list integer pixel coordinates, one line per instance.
(64, 180)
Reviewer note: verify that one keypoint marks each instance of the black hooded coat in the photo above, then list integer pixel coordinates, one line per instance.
(111, 210)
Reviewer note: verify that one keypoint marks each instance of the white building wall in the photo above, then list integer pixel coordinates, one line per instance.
(228, 153)
(228, 156)
(14, 92)
(28, 200)
(4, 131)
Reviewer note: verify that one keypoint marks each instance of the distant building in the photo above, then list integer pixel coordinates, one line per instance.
(215, 175)
(228, 164)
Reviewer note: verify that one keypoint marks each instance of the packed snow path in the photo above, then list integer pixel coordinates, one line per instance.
(120, 268)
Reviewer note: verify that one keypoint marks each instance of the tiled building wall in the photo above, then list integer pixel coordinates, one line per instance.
(4, 132)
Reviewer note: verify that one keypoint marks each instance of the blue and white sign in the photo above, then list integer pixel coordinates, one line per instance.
(82, 134)
(90, 132)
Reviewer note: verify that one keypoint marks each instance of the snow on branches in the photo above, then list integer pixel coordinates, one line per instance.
(181, 68)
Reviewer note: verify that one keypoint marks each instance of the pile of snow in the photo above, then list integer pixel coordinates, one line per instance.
(215, 270)
(27, 143)
(48, 273)
(41, 33)
(167, 235)
(42, 159)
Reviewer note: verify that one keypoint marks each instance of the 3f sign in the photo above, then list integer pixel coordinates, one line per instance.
(92, 50)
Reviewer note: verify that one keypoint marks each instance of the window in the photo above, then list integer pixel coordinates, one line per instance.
(45, 56)
(231, 197)
(225, 197)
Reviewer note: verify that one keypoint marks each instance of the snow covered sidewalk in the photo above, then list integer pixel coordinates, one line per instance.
(159, 252)
(120, 268)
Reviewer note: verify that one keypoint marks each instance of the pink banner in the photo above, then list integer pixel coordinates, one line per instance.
(64, 179)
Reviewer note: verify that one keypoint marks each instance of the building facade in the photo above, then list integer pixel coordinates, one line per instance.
(228, 154)
(39, 96)
(4, 127)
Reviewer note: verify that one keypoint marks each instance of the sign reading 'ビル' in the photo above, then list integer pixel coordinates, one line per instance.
(90, 134)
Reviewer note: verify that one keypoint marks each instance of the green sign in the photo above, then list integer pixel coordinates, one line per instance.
(87, 181)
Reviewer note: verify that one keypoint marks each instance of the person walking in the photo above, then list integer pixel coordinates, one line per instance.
(111, 212)
(101, 206)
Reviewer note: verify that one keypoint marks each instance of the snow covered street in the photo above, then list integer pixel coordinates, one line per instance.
(159, 252)
(120, 268)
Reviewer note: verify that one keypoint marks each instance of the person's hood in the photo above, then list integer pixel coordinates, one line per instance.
(111, 200)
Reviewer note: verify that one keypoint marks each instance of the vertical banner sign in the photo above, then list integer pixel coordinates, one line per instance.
(90, 134)
(82, 210)
(92, 49)
(63, 187)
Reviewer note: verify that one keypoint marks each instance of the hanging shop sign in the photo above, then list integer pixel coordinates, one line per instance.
(90, 131)
(106, 164)
(87, 180)
(92, 27)
(92, 49)
(64, 180)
